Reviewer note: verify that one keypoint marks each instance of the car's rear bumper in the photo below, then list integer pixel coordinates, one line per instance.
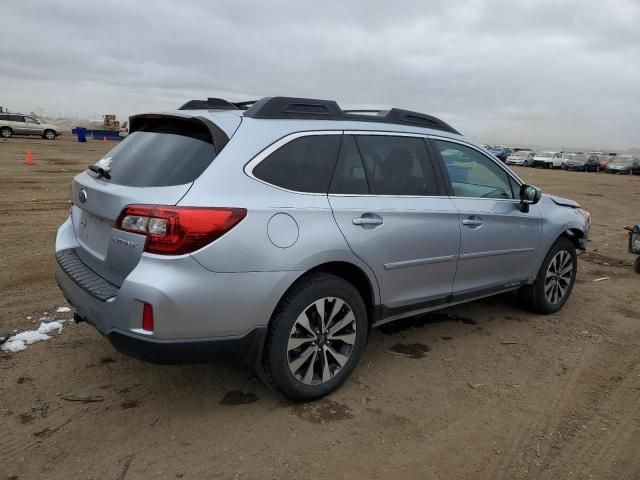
(242, 349)
(195, 310)
(186, 331)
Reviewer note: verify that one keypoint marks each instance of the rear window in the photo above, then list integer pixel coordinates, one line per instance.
(302, 165)
(161, 154)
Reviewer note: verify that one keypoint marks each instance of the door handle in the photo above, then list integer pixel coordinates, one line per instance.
(472, 221)
(368, 220)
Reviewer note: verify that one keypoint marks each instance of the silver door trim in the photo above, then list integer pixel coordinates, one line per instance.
(419, 261)
(248, 168)
(492, 253)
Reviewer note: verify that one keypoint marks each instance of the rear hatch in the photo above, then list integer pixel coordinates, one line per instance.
(156, 164)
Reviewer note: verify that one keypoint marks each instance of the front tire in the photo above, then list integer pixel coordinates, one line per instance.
(316, 337)
(555, 280)
(49, 135)
(6, 132)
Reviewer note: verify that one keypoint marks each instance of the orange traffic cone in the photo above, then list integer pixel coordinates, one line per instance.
(104, 139)
(28, 158)
(638, 189)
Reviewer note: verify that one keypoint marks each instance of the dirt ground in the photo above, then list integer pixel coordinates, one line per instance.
(488, 391)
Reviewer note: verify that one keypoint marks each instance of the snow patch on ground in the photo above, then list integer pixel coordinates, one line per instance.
(63, 309)
(19, 342)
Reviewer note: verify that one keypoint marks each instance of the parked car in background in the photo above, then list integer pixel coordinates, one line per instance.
(635, 169)
(18, 124)
(582, 163)
(500, 152)
(280, 238)
(521, 157)
(544, 159)
(622, 164)
(606, 160)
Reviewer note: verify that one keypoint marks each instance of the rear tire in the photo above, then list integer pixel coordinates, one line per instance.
(636, 265)
(6, 132)
(309, 355)
(554, 282)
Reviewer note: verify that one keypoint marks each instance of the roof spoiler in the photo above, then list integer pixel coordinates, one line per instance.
(216, 104)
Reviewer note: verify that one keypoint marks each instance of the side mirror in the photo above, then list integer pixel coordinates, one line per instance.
(529, 195)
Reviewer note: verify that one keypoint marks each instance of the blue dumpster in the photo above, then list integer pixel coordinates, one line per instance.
(82, 134)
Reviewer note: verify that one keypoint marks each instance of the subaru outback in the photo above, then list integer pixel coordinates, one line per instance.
(279, 232)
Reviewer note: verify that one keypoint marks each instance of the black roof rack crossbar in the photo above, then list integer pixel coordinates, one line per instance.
(289, 107)
(397, 115)
(313, 109)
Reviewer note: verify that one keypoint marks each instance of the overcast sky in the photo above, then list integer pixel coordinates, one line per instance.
(562, 73)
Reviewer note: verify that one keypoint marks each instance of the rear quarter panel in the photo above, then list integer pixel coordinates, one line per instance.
(314, 235)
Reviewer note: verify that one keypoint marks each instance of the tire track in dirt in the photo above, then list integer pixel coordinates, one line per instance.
(17, 443)
(553, 445)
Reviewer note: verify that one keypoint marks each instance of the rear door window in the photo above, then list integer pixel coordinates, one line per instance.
(305, 164)
(350, 177)
(397, 165)
(161, 154)
(16, 118)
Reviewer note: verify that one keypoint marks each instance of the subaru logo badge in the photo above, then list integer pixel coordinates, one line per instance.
(82, 195)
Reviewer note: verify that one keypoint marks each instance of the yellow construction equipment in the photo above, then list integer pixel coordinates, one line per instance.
(110, 122)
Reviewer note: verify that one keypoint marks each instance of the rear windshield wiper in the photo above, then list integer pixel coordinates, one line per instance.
(102, 172)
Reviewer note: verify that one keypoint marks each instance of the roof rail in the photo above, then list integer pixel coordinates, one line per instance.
(313, 109)
(289, 107)
(216, 104)
(397, 115)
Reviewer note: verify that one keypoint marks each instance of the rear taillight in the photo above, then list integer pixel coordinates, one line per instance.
(178, 230)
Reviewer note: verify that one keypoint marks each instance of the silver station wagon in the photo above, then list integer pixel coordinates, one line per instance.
(279, 232)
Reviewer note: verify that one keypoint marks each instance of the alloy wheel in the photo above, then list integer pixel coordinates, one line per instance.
(321, 340)
(558, 277)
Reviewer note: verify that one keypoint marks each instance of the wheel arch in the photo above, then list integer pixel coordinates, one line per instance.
(350, 272)
(576, 235)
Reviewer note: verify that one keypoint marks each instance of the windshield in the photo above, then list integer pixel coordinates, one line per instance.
(546, 154)
(570, 156)
(522, 153)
